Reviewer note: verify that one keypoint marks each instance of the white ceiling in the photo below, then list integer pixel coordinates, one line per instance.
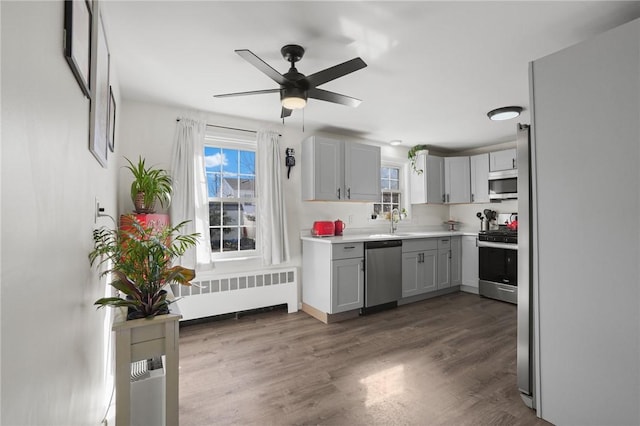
(434, 68)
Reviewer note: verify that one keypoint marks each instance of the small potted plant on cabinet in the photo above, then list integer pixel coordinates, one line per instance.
(149, 185)
(413, 155)
(139, 257)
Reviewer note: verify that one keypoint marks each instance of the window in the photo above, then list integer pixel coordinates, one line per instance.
(391, 193)
(231, 188)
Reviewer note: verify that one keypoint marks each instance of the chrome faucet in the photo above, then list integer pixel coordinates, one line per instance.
(395, 218)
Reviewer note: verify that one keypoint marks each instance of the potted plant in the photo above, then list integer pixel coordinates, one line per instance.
(413, 154)
(149, 184)
(139, 257)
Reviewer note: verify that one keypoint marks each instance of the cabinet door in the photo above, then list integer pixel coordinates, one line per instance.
(427, 187)
(470, 261)
(323, 165)
(444, 280)
(430, 268)
(412, 273)
(362, 172)
(456, 261)
(347, 284)
(419, 272)
(457, 180)
(435, 179)
(479, 178)
(503, 160)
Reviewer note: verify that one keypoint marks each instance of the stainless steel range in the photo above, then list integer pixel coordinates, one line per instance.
(498, 264)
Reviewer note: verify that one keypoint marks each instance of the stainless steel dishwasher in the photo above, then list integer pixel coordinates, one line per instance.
(383, 275)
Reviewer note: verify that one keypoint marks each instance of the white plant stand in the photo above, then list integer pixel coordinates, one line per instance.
(142, 339)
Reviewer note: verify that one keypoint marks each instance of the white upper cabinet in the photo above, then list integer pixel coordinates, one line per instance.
(362, 172)
(479, 178)
(503, 160)
(335, 170)
(428, 186)
(457, 181)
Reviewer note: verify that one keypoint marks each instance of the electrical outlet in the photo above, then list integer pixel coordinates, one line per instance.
(96, 210)
(350, 219)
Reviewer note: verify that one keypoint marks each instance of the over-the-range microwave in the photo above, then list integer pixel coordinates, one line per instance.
(503, 185)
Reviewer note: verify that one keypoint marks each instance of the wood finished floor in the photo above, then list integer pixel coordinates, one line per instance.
(445, 361)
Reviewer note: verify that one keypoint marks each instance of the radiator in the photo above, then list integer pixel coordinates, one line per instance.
(216, 294)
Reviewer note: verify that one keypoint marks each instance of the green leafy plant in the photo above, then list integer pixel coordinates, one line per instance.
(413, 154)
(139, 257)
(149, 184)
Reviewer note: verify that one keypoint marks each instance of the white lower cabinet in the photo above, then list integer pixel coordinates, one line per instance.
(456, 261)
(333, 276)
(470, 263)
(444, 264)
(419, 260)
(347, 284)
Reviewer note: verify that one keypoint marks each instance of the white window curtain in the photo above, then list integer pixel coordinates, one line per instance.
(190, 200)
(272, 220)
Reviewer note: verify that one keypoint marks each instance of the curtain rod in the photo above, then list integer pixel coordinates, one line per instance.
(230, 128)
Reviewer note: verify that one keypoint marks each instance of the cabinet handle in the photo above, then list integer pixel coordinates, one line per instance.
(338, 193)
(420, 257)
(362, 265)
(472, 198)
(444, 198)
(450, 256)
(447, 198)
(349, 247)
(513, 163)
(349, 193)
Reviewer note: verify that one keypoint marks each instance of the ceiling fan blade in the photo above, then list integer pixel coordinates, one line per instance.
(253, 92)
(325, 95)
(250, 57)
(336, 71)
(285, 112)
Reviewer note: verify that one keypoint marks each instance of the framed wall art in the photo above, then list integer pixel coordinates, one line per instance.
(111, 133)
(77, 41)
(98, 137)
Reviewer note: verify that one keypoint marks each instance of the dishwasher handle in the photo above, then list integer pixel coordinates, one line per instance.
(382, 244)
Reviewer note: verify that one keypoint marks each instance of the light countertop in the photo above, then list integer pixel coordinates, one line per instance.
(362, 236)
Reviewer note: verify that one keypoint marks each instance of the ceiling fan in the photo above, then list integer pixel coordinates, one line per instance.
(295, 88)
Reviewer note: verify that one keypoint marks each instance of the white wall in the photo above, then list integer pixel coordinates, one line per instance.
(466, 213)
(53, 347)
(148, 130)
(586, 148)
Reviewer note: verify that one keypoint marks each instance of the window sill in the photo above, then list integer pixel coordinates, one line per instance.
(233, 259)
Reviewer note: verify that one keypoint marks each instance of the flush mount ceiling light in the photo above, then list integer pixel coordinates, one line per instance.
(293, 98)
(395, 142)
(504, 113)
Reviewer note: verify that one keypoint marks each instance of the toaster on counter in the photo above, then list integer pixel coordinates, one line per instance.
(323, 228)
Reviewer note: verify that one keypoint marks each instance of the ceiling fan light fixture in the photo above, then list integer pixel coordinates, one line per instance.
(293, 98)
(504, 113)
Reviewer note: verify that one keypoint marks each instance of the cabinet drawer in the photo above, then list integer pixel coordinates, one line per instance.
(347, 250)
(444, 243)
(421, 244)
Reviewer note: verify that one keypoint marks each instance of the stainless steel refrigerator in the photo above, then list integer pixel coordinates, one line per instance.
(525, 352)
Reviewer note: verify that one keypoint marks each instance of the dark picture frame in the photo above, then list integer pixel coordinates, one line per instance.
(77, 41)
(98, 139)
(111, 133)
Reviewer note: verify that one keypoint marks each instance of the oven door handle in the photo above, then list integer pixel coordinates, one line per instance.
(507, 246)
